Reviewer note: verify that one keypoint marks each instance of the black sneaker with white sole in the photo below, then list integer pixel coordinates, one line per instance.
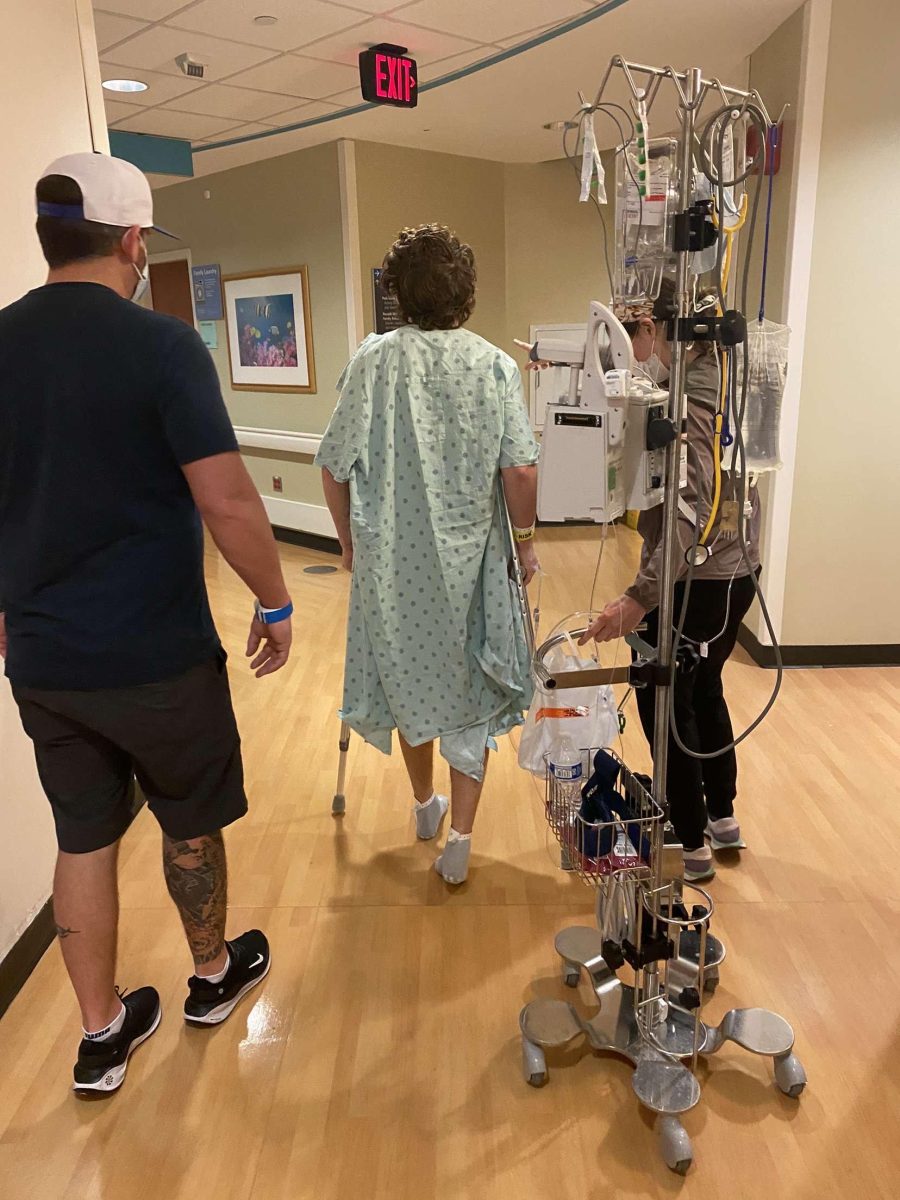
(210, 1003)
(101, 1066)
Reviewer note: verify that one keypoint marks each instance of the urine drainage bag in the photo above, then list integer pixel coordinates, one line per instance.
(767, 345)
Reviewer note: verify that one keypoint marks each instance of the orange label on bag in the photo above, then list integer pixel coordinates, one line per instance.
(560, 714)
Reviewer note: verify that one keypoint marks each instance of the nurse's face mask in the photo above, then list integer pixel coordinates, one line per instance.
(651, 364)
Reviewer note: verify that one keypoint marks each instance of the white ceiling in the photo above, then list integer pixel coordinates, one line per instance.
(260, 77)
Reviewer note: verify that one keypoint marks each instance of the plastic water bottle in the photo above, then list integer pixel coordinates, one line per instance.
(566, 770)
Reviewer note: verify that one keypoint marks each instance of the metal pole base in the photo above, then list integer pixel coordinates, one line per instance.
(661, 1081)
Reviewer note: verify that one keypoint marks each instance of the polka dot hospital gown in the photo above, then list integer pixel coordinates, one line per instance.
(435, 646)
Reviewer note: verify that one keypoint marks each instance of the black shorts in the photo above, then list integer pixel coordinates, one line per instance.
(177, 738)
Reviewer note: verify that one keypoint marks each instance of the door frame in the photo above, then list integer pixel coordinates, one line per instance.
(174, 256)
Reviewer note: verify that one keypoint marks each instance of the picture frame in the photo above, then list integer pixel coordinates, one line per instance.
(269, 330)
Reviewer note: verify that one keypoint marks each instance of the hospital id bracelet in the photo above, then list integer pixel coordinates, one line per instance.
(269, 616)
(523, 535)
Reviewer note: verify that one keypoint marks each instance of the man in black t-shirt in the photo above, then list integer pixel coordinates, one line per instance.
(114, 442)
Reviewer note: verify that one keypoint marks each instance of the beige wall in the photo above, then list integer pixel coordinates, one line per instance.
(843, 574)
(46, 67)
(399, 187)
(554, 246)
(281, 212)
(775, 71)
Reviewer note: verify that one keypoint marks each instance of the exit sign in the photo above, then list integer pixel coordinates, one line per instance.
(388, 76)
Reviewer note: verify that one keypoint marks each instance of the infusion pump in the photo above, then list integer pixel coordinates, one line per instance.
(603, 447)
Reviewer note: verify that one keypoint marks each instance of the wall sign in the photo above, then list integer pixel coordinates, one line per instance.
(387, 310)
(207, 284)
(388, 76)
(209, 331)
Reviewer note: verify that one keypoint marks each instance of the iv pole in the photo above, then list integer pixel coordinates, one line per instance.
(655, 1023)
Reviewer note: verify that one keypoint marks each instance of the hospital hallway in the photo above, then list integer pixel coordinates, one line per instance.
(381, 1057)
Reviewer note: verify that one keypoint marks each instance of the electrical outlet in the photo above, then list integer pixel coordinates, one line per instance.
(277, 483)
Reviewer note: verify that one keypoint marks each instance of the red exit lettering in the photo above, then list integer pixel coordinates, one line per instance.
(381, 75)
(386, 77)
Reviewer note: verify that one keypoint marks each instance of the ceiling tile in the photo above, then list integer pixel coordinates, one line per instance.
(166, 123)
(304, 112)
(157, 49)
(302, 77)
(424, 44)
(159, 87)
(145, 10)
(374, 6)
(115, 111)
(455, 63)
(240, 104)
(242, 130)
(111, 29)
(492, 21)
(297, 23)
(523, 36)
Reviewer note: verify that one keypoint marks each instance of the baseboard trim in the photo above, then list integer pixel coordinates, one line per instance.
(819, 656)
(295, 514)
(25, 955)
(309, 541)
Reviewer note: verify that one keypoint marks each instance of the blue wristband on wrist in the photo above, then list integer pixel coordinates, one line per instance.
(269, 616)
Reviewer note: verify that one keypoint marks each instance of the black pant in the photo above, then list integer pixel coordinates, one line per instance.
(695, 787)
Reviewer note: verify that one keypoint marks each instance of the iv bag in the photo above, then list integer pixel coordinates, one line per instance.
(647, 194)
(767, 346)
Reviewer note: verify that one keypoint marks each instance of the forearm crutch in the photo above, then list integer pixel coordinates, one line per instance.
(339, 803)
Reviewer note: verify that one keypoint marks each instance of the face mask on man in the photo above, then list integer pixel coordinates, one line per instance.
(143, 278)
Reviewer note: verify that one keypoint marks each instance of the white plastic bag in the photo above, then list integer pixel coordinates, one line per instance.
(587, 714)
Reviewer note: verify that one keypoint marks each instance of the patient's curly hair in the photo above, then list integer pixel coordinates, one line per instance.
(432, 274)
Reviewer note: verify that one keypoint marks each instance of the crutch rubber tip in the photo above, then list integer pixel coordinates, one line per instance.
(338, 806)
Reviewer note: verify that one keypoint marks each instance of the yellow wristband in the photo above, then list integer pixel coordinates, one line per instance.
(523, 535)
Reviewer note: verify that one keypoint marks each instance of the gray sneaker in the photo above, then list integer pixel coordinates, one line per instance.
(725, 834)
(699, 865)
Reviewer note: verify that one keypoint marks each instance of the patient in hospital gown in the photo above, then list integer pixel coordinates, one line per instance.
(431, 419)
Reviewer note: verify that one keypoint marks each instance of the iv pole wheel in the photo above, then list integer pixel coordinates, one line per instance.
(339, 805)
(675, 1144)
(534, 1064)
(570, 975)
(790, 1075)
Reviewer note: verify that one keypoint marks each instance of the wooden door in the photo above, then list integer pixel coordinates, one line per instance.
(170, 286)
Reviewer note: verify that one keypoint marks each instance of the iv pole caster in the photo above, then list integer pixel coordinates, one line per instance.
(790, 1075)
(677, 1152)
(534, 1064)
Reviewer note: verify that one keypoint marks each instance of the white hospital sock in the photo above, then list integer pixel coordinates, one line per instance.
(429, 816)
(453, 864)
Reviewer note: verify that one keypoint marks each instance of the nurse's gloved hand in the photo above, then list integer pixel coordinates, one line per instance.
(617, 618)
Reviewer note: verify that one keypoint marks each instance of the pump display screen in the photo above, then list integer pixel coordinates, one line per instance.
(388, 76)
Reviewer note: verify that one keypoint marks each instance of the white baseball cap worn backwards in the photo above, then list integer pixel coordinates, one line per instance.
(113, 191)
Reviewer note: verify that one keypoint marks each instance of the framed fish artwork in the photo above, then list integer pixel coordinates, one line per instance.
(270, 345)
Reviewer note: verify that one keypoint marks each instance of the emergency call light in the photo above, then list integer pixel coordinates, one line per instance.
(388, 76)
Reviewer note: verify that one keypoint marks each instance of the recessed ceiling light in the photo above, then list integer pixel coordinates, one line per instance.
(265, 19)
(124, 85)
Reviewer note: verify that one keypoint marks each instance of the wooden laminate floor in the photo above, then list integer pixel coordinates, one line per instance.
(381, 1058)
